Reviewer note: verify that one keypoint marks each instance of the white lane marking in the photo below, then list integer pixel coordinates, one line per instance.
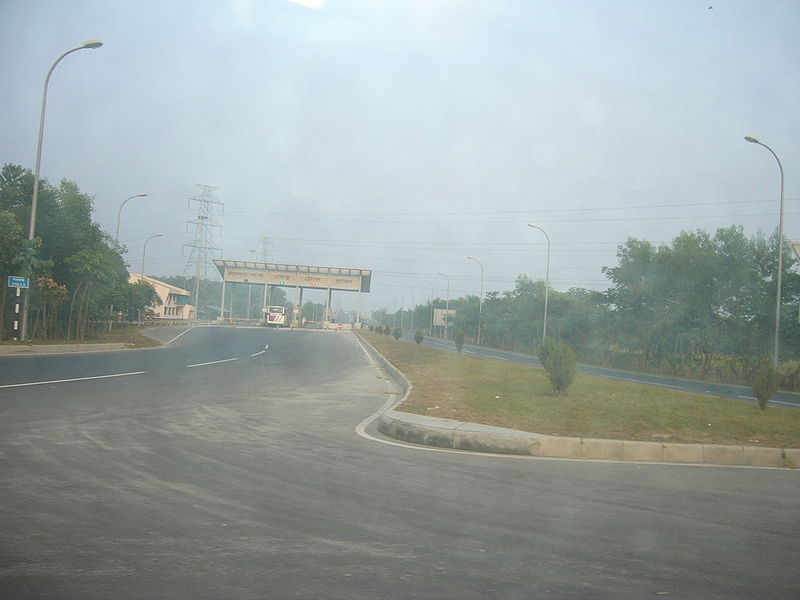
(11, 385)
(786, 403)
(262, 352)
(655, 383)
(179, 335)
(213, 362)
(746, 397)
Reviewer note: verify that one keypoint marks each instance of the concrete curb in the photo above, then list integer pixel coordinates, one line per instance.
(30, 349)
(461, 435)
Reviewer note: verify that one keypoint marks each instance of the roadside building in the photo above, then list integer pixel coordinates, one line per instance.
(175, 302)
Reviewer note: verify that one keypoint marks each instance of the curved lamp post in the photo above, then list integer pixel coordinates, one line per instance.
(90, 44)
(119, 212)
(447, 305)
(155, 235)
(480, 299)
(430, 327)
(754, 140)
(546, 280)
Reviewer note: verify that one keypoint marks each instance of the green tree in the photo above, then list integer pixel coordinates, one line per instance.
(765, 383)
(560, 362)
(69, 249)
(459, 340)
(418, 337)
(132, 298)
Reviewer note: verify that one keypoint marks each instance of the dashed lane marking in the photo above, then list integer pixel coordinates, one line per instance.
(11, 385)
(213, 362)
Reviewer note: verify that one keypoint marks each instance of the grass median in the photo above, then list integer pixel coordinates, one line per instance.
(503, 394)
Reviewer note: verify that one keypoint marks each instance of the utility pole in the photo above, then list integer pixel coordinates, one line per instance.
(202, 247)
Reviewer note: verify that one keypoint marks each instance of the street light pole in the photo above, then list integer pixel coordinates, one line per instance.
(480, 299)
(141, 278)
(155, 235)
(119, 212)
(447, 305)
(754, 140)
(430, 327)
(37, 168)
(546, 280)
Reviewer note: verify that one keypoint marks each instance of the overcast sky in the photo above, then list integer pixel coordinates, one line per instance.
(403, 135)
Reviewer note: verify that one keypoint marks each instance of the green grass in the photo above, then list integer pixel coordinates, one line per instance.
(498, 393)
(132, 336)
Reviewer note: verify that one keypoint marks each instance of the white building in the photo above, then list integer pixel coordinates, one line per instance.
(174, 301)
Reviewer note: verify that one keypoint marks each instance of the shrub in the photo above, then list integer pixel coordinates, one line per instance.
(459, 340)
(789, 375)
(418, 337)
(765, 383)
(559, 361)
(397, 334)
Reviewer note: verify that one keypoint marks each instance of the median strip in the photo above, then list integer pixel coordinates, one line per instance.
(597, 419)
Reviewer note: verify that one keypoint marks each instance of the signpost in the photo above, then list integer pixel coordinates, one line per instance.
(15, 281)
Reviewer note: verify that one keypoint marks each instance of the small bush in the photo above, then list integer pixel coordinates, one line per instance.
(418, 337)
(560, 363)
(789, 375)
(459, 340)
(765, 383)
(397, 334)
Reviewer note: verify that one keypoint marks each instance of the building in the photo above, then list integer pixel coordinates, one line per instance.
(175, 302)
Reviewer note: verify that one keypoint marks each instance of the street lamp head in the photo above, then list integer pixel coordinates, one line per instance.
(751, 139)
(471, 258)
(93, 44)
(140, 195)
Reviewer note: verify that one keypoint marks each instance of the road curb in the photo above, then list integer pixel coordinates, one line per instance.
(30, 349)
(462, 435)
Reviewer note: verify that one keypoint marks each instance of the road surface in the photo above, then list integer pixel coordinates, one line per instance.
(183, 476)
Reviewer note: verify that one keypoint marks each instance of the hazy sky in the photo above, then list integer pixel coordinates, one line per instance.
(402, 136)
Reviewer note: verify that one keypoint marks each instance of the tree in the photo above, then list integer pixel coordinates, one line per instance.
(459, 340)
(133, 298)
(418, 337)
(765, 383)
(70, 252)
(396, 333)
(560, 363)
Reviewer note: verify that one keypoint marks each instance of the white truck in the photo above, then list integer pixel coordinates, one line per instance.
(276, 316)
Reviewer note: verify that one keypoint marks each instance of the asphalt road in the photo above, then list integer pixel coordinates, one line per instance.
(720, 390)
(245, 479)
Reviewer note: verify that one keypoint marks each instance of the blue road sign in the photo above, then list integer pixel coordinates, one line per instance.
(15, 281)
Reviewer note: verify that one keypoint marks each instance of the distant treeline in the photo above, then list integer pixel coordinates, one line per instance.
(703, 306)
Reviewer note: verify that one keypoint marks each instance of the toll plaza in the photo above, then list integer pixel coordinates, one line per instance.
(301, 277)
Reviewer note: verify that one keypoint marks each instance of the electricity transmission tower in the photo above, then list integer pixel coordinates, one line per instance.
(203, 248)
(264, 249)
